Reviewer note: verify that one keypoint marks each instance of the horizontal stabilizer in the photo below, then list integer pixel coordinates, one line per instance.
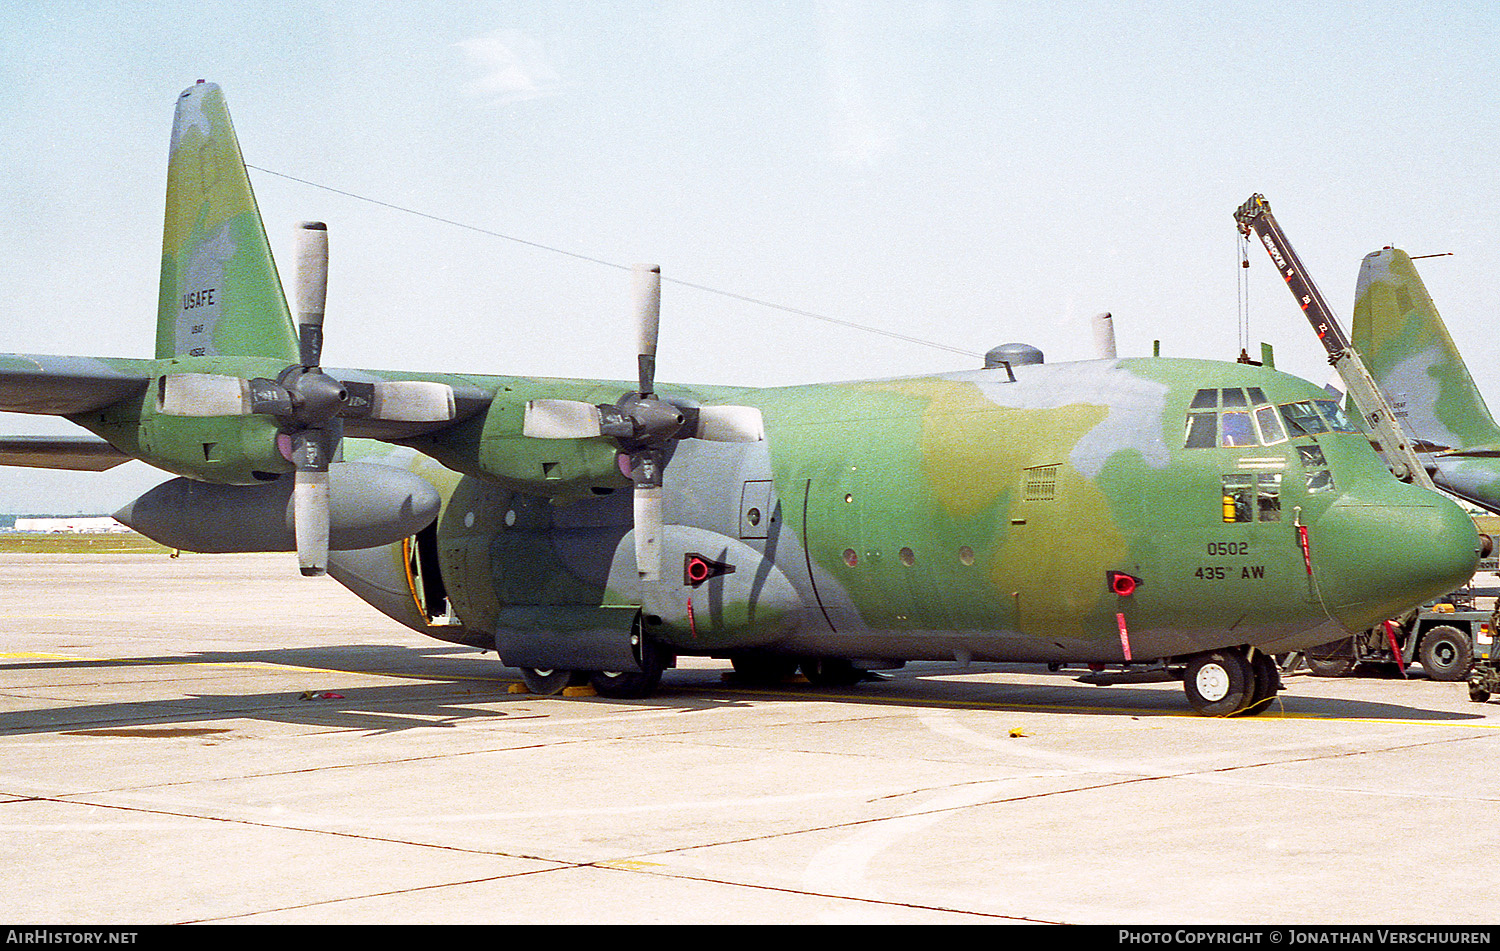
(85, 453)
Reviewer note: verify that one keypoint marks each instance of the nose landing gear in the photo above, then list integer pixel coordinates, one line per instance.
(1231, 682)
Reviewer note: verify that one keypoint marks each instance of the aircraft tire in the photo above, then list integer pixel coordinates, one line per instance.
(545, 683)
(1266, 677)
(632, 684)
(1219, 683)
(1334, 659)
(831, 672)
(1446, 653)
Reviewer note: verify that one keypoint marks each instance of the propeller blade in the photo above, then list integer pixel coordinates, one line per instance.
(310, 521)
(312, 451)
(730, 424)
(560, 419)
(646, 285)
(203, 394)
(648, 522)
(412, 401)
(312, 289)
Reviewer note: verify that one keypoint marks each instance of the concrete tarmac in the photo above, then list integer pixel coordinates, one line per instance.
(216, 739)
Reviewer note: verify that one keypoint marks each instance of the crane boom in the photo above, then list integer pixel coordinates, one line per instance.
(1255, 215)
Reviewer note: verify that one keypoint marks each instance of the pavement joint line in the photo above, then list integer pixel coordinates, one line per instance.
(664, 872)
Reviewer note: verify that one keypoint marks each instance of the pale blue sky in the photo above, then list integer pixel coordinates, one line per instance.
(969, 173)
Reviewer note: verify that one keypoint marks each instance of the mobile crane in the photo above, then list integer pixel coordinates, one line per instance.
(1380, 421)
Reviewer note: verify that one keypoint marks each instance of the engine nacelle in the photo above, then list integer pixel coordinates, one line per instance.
(369, 505)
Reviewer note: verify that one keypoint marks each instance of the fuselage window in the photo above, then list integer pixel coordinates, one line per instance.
(1268, 496)
(1271, 432)
(1302, 418)
(1248, 498)
(1237, 430)
(1239, 495)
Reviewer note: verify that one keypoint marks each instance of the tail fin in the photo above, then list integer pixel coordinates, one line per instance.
(1407, 348)
(220, 294)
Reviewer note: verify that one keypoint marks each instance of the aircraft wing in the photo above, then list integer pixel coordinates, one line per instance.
(87, 453)
(63, 386)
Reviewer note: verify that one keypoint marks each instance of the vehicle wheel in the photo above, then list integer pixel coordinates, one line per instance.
(1266, 680)
(1334, 659)
(763, 668)
(831, 672)
(633, 684)
(545, 683)
(1446, 653)
(1219, 683)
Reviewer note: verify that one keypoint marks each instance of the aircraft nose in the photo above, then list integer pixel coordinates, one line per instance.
(1382, 551)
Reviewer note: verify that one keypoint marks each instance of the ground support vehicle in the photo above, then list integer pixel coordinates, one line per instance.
(1445, 637)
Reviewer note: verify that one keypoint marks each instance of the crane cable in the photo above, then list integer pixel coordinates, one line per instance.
(1244, 298)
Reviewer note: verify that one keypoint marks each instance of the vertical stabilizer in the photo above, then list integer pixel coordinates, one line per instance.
(1409, 352)
(220, 294)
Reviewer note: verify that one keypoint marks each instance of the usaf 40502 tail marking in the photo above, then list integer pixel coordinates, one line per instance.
(1183, 516)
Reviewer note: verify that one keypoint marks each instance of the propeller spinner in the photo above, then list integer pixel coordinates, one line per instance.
(310, 404)
(644, 425)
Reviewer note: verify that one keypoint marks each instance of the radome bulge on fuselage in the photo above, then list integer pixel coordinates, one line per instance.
(1183, 513)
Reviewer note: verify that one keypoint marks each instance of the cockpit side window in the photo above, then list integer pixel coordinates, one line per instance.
(1302, 418)
(1334, 414)
(1316, 468)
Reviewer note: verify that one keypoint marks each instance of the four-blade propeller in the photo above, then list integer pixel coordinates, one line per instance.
(309, 404)
(643, 425)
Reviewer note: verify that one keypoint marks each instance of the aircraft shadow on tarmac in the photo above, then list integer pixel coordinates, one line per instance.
(447, 686)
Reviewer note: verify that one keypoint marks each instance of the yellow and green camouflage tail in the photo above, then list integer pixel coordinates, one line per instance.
(1407, 348)
(220, 294)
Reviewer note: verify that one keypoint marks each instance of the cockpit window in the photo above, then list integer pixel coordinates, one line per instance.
(1271, 432)
(1205, 399)
(1237, 430)
(1334, 414)
(1257, 396)
(1302, 418)
(1202, 429)
(1234, 397)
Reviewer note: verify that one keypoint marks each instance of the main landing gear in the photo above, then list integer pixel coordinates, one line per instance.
(619, 684)
(1231, 682)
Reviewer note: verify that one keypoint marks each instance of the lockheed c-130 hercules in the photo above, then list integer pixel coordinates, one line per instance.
(1180, 517)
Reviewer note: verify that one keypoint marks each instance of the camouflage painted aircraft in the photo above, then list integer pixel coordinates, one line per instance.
(1183, 518)
(1410, 354)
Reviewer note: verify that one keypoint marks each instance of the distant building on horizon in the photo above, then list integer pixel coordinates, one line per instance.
(77, 524)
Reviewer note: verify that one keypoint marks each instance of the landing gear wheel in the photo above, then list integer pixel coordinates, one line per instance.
(1477, 693)
(762, 668)
(1446, 653)
(1266, 680)
(545, 683)
(1219, 683)
(1334, 659)
(633, 684)
(831, 672)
